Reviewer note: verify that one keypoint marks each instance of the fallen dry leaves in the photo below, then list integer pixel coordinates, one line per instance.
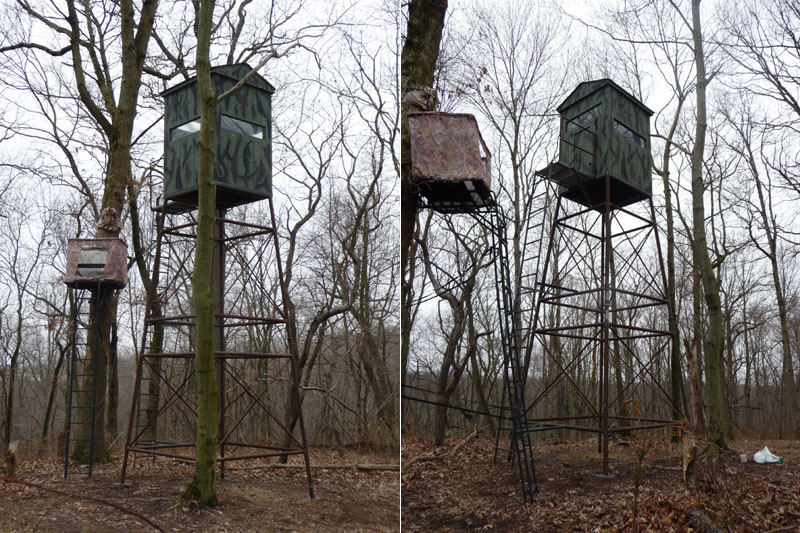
(253, 499)
(469, 492)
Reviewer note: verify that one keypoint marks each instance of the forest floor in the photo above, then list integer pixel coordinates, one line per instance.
(469, 492)
(253, 498)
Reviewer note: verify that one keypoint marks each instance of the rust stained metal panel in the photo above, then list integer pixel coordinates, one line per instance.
(93, 261)
(448, 147)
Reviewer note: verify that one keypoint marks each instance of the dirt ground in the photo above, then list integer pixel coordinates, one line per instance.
(252, 498)
(468, 492)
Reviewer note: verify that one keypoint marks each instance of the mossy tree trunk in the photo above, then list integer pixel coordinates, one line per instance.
(203, 487)
(113, 375)
(418, 64)
(712, 344)
(676, 375)
(94, 384)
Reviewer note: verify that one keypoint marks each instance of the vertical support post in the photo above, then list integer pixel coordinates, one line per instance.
(98, 295)
(606, 319)
(218, 294)
(600, 344)
(71, 376)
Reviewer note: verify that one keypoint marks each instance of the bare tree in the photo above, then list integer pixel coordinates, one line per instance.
(508, 70)
(453, 260)
(742, 120)
(23, 246)
(203, 486)
(712, 349)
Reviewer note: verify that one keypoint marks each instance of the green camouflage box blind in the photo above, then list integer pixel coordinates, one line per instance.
(605, 130)
(242, 144)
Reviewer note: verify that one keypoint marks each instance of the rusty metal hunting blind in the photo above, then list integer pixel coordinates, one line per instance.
(451, 169)
(450, 163)
(93, 263)
(610, 271)
(95, 270)
(604, 131)
(242, 141)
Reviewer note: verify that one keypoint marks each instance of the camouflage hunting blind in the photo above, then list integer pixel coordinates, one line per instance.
(604, 131)
(450, 163)
(242, 141)
(93, 263)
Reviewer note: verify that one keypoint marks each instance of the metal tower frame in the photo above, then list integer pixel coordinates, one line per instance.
(174, 244)
(610, 310)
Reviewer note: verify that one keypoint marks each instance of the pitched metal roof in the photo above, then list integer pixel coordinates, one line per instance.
(234, 71)
(586, 88)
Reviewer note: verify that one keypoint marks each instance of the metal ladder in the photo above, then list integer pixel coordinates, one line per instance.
(514, 378)
(527, 289)
(82, 398)
(532, 244)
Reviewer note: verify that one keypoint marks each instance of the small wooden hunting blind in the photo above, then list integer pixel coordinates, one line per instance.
(604, 131)
(242, 143)
(449, 160)
(96, 262)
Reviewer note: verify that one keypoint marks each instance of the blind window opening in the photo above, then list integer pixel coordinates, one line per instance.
(185, 129)
(92, 263)
(583, 118)
(629, 133)
(242, 127)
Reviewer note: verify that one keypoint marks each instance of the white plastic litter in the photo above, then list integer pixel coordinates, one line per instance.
(765, 456)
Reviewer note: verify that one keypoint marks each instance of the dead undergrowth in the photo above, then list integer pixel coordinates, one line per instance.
(468, 492)
(254, 497)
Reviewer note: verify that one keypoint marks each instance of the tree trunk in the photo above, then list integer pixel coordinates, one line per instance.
(51, 397)
(418, 64)
(712, 345)
(203, 487)
(699, 419)
(94, 385)
(113, 378)
(676, 375)
(8, 423)
(788, 397)
(747, 368)
(448, 361)
(477, 384)
(730, 375)
(622, 406)
(135, 37)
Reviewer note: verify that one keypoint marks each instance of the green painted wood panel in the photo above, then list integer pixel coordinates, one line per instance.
(605, 130)
(243, 140)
